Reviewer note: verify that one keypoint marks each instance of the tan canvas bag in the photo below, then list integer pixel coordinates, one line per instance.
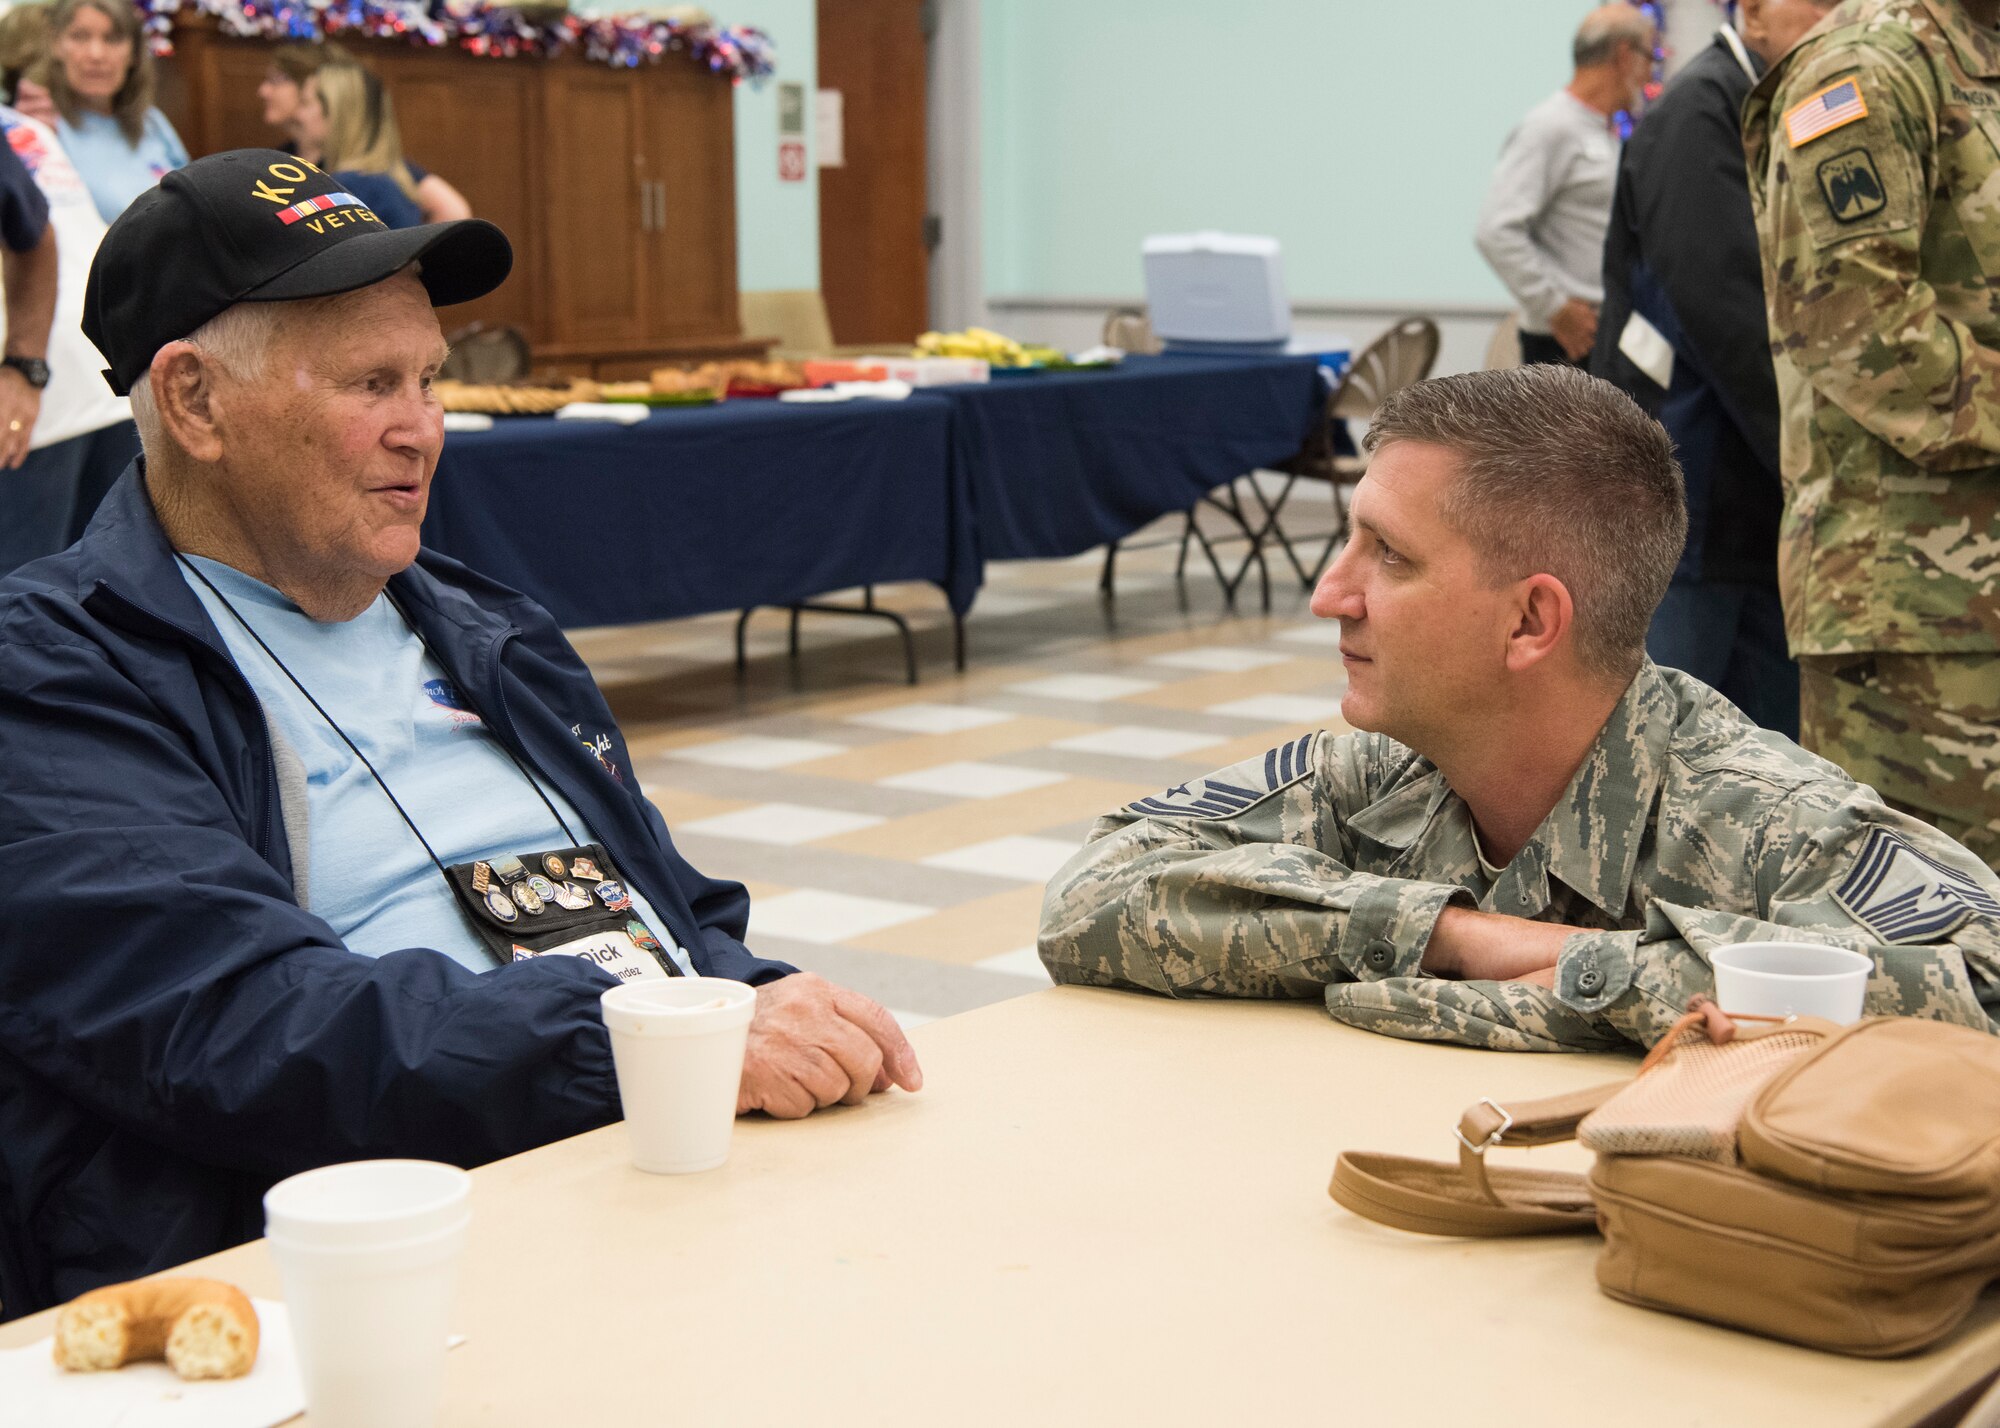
(1837, 1187)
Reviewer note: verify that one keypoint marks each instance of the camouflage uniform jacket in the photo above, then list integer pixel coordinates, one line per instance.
(1322, 868)
(1873, 149)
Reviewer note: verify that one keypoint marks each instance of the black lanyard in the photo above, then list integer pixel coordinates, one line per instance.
(381, 783)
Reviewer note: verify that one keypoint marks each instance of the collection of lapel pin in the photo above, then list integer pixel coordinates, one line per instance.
(511, 891)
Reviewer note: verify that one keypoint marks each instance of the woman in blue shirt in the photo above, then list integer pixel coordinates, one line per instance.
(101, 79)
(345, 116)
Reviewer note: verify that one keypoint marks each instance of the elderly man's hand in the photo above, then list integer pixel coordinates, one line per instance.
(812, 1044)
(1574, 326)
(20, 404)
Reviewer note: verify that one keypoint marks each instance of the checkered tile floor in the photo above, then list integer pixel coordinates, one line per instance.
(897, 839)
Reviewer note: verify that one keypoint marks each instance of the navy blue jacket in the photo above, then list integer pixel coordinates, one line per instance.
(176, 1033)
(1681, 251)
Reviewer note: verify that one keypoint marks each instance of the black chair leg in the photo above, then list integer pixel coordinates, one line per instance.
(1273, 529)
(1107, 579)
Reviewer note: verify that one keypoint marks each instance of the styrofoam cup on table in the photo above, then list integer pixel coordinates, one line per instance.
(1791, 979)
(678, 1048)
(369, 1253)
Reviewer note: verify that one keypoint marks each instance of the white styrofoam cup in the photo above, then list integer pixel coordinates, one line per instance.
(368, 1253)
(678, 1048)
(1791, 979)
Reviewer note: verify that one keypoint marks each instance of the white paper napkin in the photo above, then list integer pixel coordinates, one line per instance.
(467, 421)
(624, 413)
(34, 1393)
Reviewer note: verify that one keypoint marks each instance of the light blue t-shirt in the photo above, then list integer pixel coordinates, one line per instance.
(369, 876)
(115, 169)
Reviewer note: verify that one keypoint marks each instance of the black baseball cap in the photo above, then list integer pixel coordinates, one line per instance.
(259, 225)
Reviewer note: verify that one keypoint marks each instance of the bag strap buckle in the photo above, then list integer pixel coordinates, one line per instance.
(1492, 1137)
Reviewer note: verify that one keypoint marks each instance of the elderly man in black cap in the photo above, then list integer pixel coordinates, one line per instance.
(319, 846)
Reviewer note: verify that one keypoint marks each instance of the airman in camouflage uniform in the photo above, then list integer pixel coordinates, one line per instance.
(1322, 867)
(1874, 162)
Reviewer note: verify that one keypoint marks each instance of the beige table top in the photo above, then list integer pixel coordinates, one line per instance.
(1104, 1208)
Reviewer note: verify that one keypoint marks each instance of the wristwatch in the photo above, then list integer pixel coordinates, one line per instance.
(34, 371)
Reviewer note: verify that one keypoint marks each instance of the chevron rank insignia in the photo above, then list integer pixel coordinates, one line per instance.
(1229, 791)
(1903, 895)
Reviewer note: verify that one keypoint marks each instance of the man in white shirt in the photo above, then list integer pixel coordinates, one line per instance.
(1542, 225)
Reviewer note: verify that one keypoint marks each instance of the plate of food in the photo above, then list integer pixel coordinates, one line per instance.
(513, 398)
(646, 394)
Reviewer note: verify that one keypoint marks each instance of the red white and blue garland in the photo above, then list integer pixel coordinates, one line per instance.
(501, 31)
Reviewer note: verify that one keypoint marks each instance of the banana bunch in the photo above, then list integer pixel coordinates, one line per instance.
(993, 347)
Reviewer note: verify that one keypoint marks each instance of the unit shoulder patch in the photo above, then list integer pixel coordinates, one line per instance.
(1851, 185)
(1904, 895)
(1230, 791)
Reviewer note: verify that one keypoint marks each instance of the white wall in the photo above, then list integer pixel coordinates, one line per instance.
(777, 223)
(1359, 134)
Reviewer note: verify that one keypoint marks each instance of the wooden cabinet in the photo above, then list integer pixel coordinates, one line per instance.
(599, 245)
(616, 186)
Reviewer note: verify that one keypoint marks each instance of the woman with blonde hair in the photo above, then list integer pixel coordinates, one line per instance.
(282, 93)
(346, 115)
(100, 79)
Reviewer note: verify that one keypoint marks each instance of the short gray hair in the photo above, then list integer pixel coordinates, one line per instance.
(237, 339)
(1558, 473)
(1606, 28)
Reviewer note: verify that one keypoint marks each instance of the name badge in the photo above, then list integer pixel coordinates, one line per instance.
(614, 952)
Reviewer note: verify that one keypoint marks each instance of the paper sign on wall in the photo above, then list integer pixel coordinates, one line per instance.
(792, 110)
(827, 122)
(791, 161)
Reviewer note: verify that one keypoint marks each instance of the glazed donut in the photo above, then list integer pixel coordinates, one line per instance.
(203, 1328)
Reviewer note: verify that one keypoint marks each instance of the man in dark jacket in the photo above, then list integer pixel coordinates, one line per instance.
(1683, 332)
(319, 847)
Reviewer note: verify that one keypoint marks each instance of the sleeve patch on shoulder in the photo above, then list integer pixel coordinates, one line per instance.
(1905, 896)
(1837, 105)
(1852, 187)
(1229, 791)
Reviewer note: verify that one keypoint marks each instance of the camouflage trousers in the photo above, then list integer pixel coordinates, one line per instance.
(1922, 729)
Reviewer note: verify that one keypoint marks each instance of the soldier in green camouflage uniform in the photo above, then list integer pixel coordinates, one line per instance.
(1511, 539)
(1874, 160)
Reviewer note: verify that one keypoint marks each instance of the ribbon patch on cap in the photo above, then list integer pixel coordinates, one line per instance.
(310, 208)
(1905, 896)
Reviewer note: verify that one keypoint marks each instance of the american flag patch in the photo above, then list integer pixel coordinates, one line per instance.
(1826, 111)
(1902, 895)
(306, 208)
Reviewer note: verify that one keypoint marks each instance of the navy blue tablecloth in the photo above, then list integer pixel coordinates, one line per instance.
(1056, 463)
(698, 509)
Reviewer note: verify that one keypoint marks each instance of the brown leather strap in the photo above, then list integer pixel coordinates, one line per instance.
(1431, 1197)
(1542, 1122)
